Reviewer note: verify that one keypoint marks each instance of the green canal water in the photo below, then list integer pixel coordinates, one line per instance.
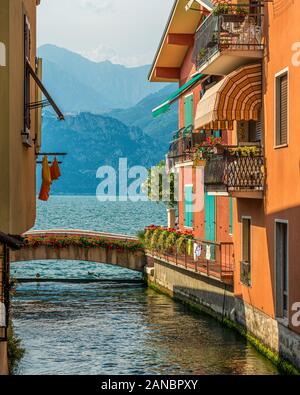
(111, 327)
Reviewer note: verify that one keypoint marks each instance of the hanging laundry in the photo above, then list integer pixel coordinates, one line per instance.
(55, 170)
(46, 180)
(197, 251)
(208, 252)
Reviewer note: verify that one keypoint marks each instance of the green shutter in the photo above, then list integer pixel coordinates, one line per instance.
(188, 206)
(188, 110)
(210, 217)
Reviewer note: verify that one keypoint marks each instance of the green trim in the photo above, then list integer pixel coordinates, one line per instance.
(165, 106)
(281, 364)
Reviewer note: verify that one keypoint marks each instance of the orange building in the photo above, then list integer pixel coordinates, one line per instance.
(238, 67)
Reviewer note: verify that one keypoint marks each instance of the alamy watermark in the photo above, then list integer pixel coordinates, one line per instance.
(296, 54)
(296, 314)
(158, 184)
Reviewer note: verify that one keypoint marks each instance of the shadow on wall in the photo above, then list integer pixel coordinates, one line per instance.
(277, 224)
(283, 334)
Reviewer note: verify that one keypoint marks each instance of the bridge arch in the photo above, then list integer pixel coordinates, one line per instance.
(40, 248)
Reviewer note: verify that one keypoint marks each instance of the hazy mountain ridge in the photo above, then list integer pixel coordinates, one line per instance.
(140, 115)
(92, 141)
(117, 86)
(92, 135)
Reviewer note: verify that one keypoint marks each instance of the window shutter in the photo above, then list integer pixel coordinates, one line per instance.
(283, 113)
(258, 134)
(188, 206)
(188, 110)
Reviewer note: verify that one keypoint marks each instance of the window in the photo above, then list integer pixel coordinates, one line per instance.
(246, 252)
(255, 131)
(27, 45)
(281, 109)
(281, 254)
(188, 206)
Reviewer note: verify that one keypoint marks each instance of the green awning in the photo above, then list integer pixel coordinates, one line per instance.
(165, 106)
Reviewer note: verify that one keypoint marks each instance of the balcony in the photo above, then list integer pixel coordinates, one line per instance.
(227, 41)
(182, 148)
(238, 172)
(213, 259)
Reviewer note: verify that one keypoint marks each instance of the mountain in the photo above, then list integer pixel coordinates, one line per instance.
(78, 84)
(92, 141)
(140, 115)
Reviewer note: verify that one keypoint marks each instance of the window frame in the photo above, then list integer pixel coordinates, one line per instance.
(284, 319)
(249, 218)
(277, 77)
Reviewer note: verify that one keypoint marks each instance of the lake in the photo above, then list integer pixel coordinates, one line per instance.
(115, 327)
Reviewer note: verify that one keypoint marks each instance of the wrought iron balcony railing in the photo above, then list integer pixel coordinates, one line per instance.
(183, 147)
(235, 172)
(232, 31)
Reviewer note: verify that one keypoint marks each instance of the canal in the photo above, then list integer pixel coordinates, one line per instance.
(114, 327)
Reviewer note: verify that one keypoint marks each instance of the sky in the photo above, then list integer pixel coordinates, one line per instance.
(123, 31)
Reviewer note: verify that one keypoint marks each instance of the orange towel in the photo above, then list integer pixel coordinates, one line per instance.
(55, 170)
(46, 180)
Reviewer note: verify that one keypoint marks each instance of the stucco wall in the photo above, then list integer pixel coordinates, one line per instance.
(282, 192)
(17, 183)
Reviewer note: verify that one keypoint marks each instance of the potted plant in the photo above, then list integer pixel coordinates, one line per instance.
(199, 160)
(202, 53)
(244, 151)
(229, 14)
(221, 9)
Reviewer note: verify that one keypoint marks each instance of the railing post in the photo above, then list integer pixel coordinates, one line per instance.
(194, 256)
(185, 254)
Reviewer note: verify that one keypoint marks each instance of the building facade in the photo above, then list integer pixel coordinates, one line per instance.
(237, 63)
(21, 102)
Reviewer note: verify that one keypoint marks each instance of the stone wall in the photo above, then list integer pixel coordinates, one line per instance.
(217, 298)
(206, 291)
(272, 333)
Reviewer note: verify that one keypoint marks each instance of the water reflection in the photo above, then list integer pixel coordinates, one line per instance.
(111, 328)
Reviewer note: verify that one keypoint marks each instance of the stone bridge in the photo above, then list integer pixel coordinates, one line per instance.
(119, 250)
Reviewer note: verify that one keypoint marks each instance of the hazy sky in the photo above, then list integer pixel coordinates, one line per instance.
(123, 31)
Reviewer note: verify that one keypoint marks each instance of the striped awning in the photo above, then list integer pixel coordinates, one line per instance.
(238, 97)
